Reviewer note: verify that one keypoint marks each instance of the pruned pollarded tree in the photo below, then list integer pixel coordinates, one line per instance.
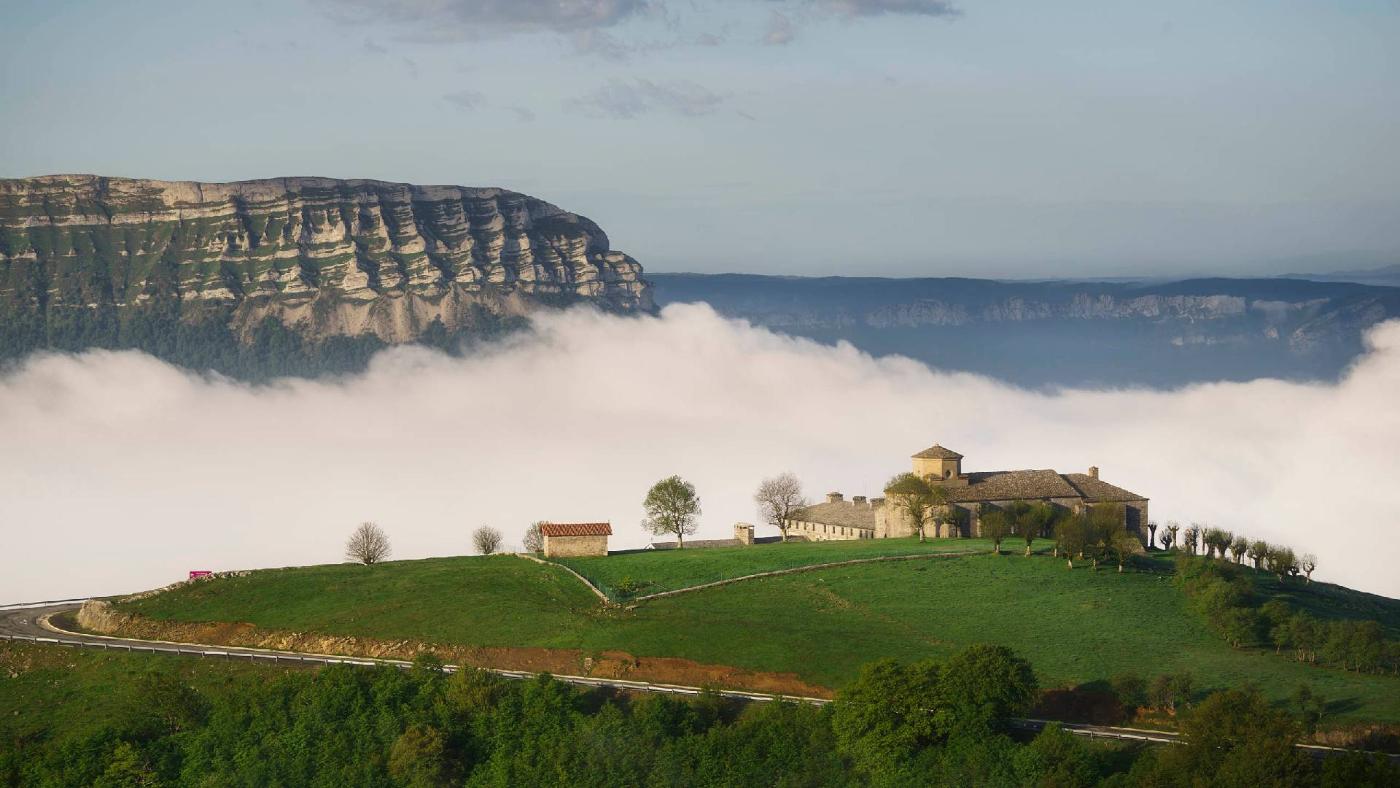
(1033, 522)
(913, 497)
(1103, 522)
(1218, 541)
(1071, 535)
(1308, 563)
(1258, 551)
(672, 508)
(368, 544)
(1174, 531)
(486, 540)
(1151, 533)
(778, 498)
(995, 526)
(1238, 547)
(1190, 536)
(533, 539)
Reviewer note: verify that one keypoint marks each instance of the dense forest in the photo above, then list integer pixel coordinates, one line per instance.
(926, 723)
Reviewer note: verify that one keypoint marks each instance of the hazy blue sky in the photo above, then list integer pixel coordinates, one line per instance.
(787, 136)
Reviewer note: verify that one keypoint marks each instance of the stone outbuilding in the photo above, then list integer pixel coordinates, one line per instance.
(567, 540)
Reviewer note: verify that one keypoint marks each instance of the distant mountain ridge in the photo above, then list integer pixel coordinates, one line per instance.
(328, 257)
(1066, 332)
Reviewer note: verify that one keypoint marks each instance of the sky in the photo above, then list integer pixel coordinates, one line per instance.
(863, 137)
(140, 471)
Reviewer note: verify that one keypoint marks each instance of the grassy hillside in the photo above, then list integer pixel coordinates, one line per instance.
(1074, 626)
(66, 694)
(666, 570)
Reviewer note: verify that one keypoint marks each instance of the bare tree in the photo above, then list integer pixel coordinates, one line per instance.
(672, 506)
(1308, 564)
(486, 540)
(534, 540)
(368, 544)
(1151, 533)
(778, 498)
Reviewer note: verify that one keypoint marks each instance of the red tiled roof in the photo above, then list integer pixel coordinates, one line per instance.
(576, 529)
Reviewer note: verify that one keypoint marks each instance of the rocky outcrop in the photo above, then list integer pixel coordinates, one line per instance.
(330, 257)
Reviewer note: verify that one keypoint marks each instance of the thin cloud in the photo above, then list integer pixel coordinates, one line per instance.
(466, 99)
(463, 19)
(620, 99)
(144, 471)
(881, 7)
(780, 30)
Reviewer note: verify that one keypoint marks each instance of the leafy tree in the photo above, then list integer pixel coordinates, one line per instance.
(1360, 770)
(1235, 737)
(672, 507)
(127, 768)
(533, 540)
(1309, 707)
(1170, 691)
(419, 757)
(1130, 689)
(368, 545)
(777, 499)
(486, 540)
(914, 497)
(982, 686)
(994, 527)
(882, 719)
(1055, 758)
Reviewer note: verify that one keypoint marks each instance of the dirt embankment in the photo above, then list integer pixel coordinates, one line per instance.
(102, 618)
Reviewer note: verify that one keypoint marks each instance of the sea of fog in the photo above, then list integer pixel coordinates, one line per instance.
(121, 473)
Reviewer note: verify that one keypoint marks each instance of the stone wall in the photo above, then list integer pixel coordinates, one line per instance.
(571, 546)
(822, 532)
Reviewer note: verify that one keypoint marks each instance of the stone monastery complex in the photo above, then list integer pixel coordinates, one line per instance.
(862, 518)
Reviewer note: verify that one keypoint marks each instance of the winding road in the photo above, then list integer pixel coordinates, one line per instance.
(34, 623)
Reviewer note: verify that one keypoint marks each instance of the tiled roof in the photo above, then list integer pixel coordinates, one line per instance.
(1011, 486)
(839, 513)
(576, 529)
(1097, 490)
(936, 452)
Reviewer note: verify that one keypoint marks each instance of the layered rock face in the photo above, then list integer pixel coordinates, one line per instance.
(329, 257)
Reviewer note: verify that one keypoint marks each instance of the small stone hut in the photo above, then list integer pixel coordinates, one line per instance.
(564, 540)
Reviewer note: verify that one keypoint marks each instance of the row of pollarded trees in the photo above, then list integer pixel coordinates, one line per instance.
(1198, 539)
(369, 544)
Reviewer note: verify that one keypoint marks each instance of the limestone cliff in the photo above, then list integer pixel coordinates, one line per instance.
(328, 257)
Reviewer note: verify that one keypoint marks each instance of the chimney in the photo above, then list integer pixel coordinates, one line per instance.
(859, 501)
(1093, 471)
(833, 497)
(744, 533)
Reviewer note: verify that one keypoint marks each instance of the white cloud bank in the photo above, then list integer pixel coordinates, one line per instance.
(121, 472)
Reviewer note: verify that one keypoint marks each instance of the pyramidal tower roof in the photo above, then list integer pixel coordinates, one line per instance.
(936, 452)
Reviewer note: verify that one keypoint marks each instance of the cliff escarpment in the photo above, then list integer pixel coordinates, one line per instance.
(80, 254)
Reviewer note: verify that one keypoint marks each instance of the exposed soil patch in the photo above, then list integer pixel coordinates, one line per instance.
(101, 618)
